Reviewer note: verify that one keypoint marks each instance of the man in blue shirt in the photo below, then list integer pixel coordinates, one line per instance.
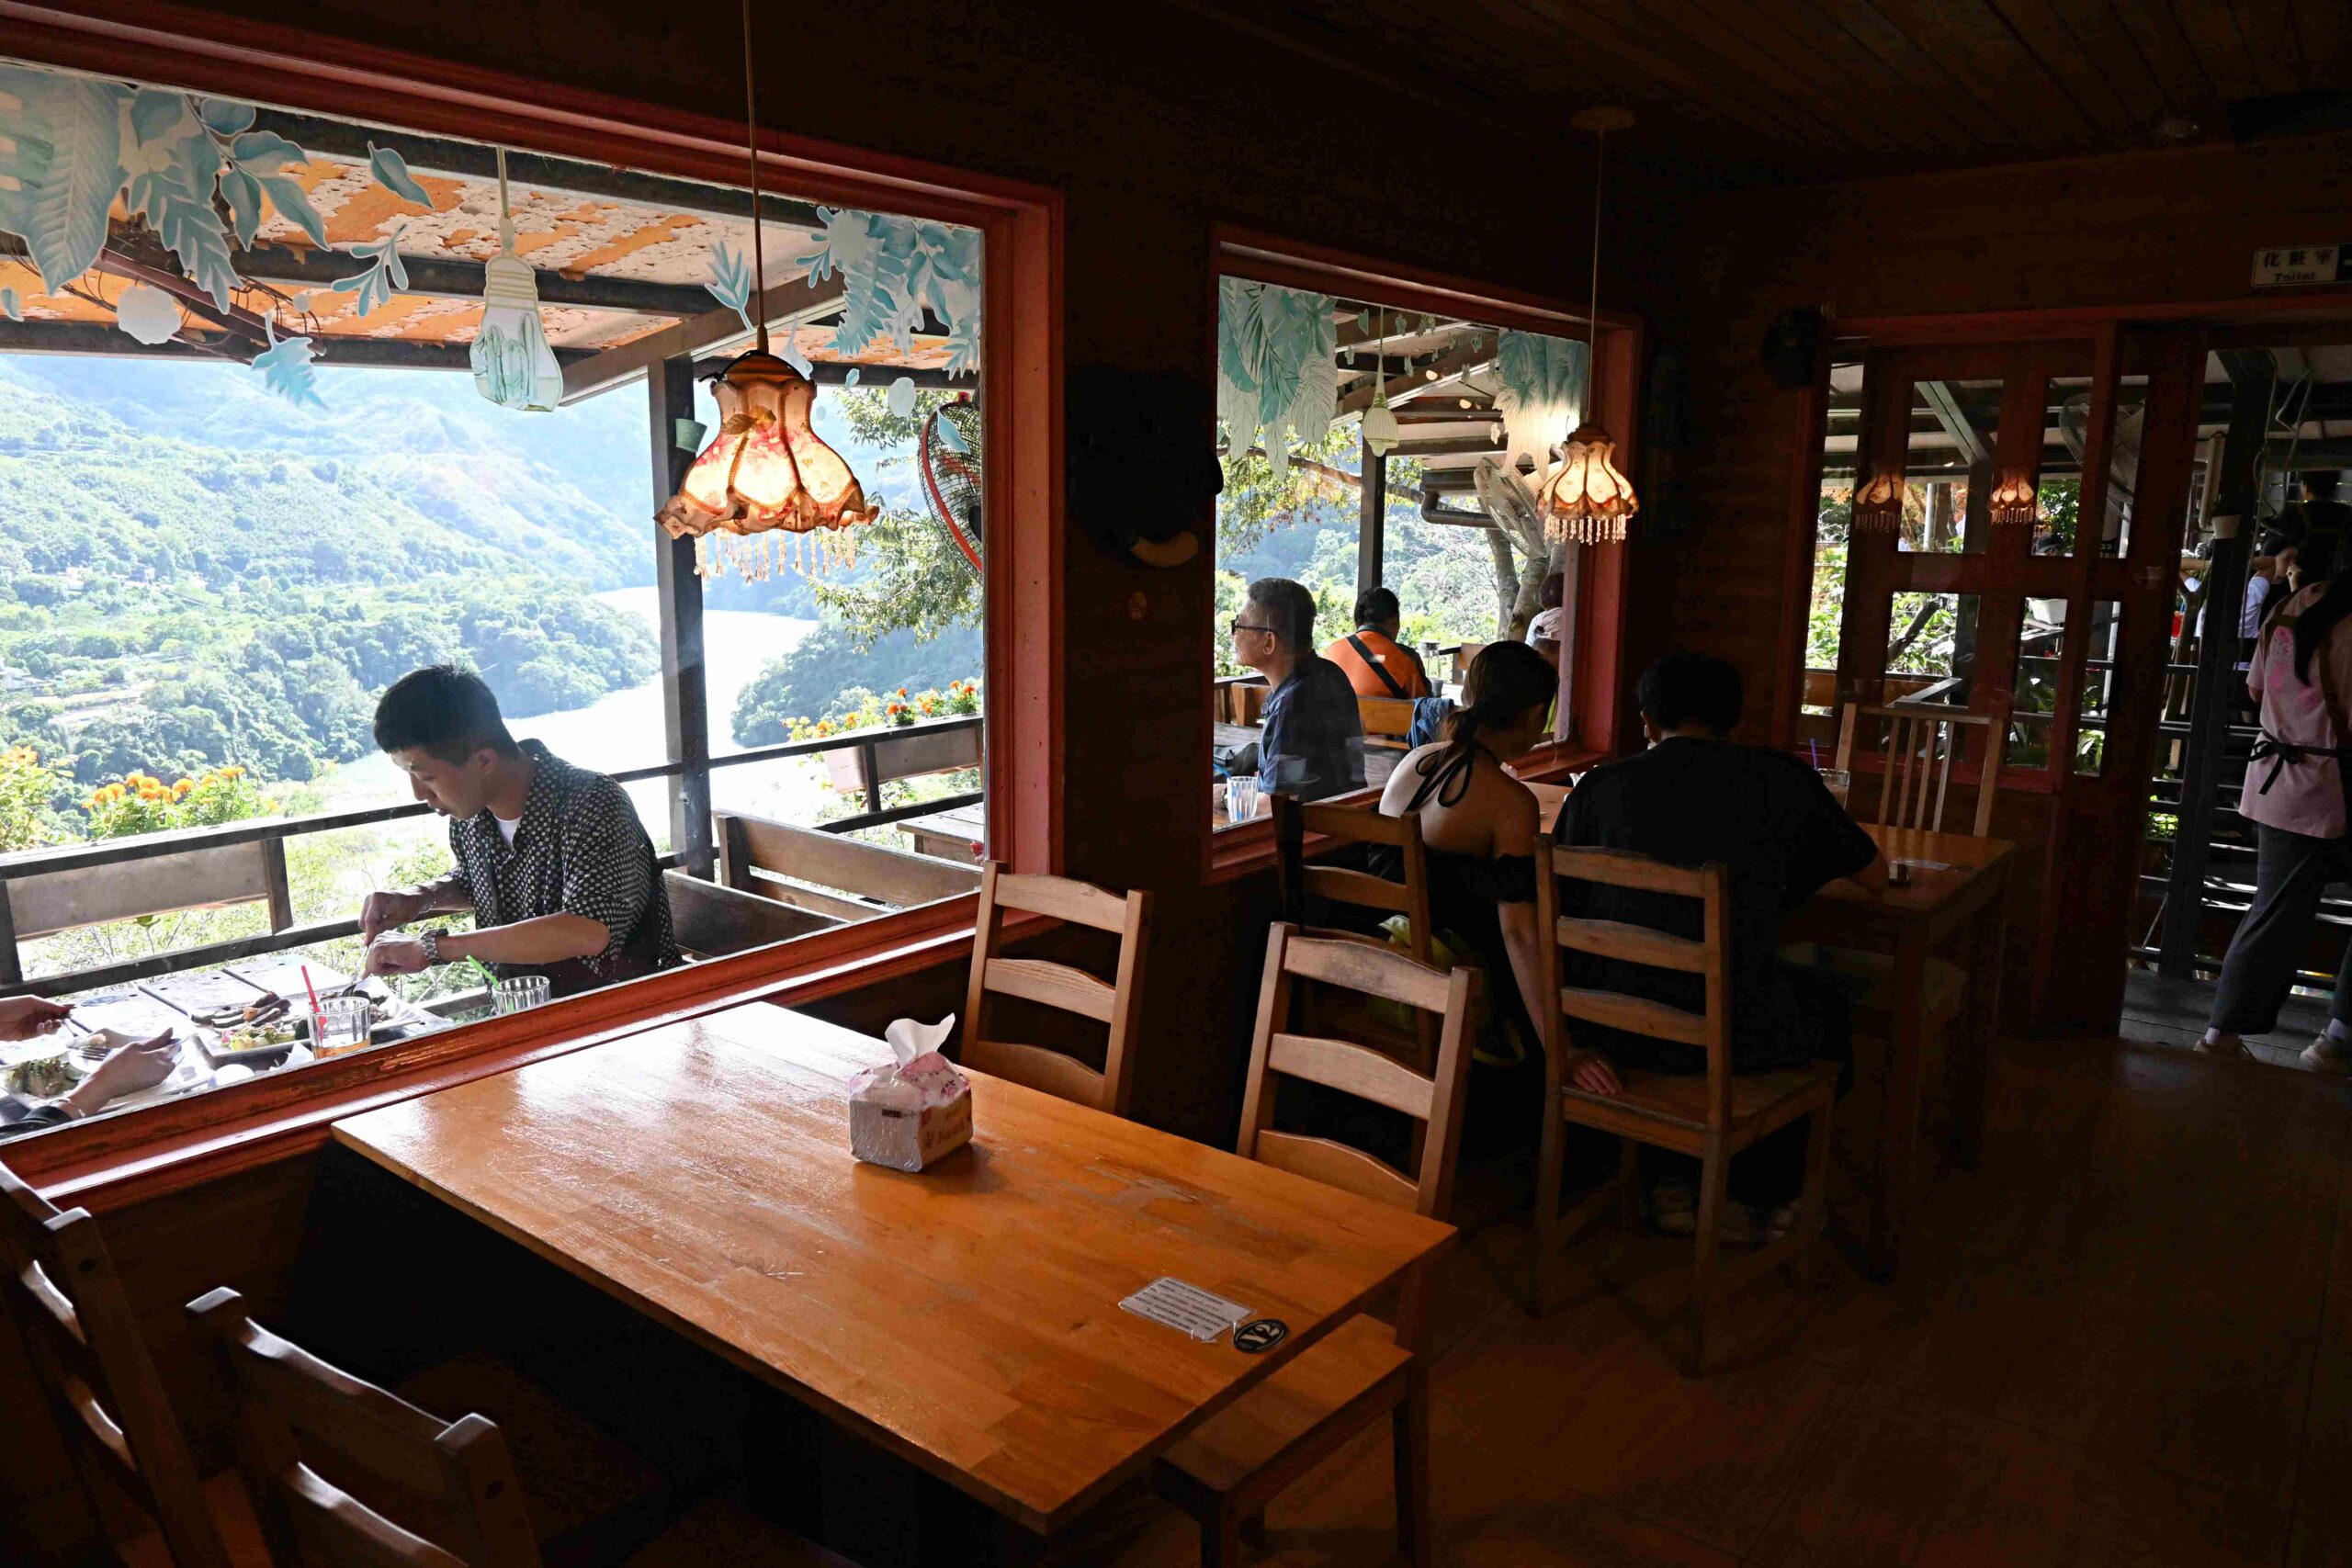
(1312, 745)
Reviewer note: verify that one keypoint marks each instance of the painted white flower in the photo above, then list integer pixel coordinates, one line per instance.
(148, 314)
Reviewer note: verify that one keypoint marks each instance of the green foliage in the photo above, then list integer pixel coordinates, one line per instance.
(141, 803)
(26, 785)
(807, 683)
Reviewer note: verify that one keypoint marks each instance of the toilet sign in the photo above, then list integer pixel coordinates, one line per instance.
(2285, 267)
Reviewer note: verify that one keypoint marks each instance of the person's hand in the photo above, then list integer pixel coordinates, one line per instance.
(385, 910)
(129, 1068)
(21, 1018)
(1593, 1073)
(395, 954)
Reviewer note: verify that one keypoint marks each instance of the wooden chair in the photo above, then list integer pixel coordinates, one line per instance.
(1386, 720)
(1711, 1117)
(1922, 741)
(1297, 880)
(1059, 986)
(91, 1363)
(459, 1495)
(1228, 1469)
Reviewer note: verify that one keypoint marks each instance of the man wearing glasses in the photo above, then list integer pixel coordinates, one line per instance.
(1312, 745)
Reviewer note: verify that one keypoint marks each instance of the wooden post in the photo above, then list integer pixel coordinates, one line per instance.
(12, 969)
(1371, 536)
(685, 701)
(280, 893)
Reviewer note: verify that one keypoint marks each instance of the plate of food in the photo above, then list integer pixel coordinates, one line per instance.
(253, 1041)
(43, 1076)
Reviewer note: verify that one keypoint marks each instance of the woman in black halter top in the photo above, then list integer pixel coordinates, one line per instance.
(1481, 828)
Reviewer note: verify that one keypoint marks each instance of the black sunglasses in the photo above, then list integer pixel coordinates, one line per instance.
(1246, 626)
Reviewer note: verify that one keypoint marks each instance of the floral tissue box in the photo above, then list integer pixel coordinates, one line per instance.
(917, 1111)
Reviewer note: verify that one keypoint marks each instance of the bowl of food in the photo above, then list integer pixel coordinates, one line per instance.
(263, 1042)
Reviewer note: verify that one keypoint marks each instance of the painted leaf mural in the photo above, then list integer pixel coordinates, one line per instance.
(68, 167)
(385, 276)
(893, 271)
(1275, 373)
(285, 367)
(391, 172)
(1538, 391)
(730, 281)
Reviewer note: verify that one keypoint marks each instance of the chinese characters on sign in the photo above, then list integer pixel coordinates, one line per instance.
(2287, 266)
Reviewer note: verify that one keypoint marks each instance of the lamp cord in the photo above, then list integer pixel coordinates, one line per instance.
(505, 212)
(1592, 316)
(752, 126)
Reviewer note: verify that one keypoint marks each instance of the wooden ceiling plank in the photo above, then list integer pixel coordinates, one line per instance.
(1986, 59)
(2165, 44)
(2324, 29)
(2101, 39)
(2221, 49)
(1613, 31)
(1446, 366)
(1728, 42)
(1919, 71)
(434, 277)
(2039, 28)
(2269, 33)
(1836, 62)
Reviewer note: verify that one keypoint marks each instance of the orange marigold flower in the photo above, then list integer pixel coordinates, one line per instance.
(902, 691)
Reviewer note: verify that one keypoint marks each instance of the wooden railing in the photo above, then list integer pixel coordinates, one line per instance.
(48, 890)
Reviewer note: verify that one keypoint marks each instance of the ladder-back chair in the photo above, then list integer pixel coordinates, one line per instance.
(1921, 743)
(91, 1362)
(1226, 1470)
(1710, 1116)
(1062, 987)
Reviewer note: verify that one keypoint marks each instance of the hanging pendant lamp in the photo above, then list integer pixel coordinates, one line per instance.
(767, 473)
(1584, 498)
(513, 364)
(1381, 429)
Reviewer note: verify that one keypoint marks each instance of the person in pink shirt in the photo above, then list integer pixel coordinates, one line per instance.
(2300, 675)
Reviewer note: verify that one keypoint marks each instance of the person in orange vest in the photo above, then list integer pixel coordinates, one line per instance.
(1375, 663)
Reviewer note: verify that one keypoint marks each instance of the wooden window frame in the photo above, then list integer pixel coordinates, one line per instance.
(113, 1160)
(1593, 683)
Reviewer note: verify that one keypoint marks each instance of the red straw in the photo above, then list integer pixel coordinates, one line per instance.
(312, 990)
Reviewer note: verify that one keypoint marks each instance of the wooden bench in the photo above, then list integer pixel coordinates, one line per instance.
(845, 878)
(711, 920)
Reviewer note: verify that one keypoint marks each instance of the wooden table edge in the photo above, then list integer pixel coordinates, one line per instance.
(1045, 1524)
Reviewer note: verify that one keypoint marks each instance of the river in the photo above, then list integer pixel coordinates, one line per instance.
(624, 729)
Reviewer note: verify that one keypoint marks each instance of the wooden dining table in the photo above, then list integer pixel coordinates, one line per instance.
(966, 1318)
(1956, 905)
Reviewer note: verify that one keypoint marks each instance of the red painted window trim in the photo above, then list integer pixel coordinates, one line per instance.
(116, 1159)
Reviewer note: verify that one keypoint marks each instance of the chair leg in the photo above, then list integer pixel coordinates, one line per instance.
(1411, 1423)
(1629, 1183)
(1220, 1536)
(1814, 1210)
(1253, 1530)
(1550, 1157)
(1712, 1173)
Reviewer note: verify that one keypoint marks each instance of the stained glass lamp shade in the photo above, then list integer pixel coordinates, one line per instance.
(766, 471)
(1584, 498)
(2013, 499)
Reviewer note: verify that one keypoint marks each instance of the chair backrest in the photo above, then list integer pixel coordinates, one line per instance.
(1386, 720)
(91, 1362)
(1433, 1100)
(1299, 879)
(1708, 957)
(1059, 986)
(712, 919)
(455, 1482)
(1921, 741)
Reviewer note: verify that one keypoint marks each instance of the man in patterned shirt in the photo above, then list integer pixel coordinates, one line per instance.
(551, 858)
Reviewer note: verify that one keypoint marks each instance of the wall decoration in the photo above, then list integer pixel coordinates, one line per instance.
(893, 270)
(730, 280)
(513, 364)
(285, 367)
(1538, 391)
(385, 275)
(391, 172)
(148, 314)
(1275, 366)
(10, 306)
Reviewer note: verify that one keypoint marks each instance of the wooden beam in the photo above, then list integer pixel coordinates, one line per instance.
(478, 161)
(836, 373)
(784, 303)
(108, 342)
(435, 280)
(1372, 520)
(1955, 421)
(1458, 362)
(685, 700)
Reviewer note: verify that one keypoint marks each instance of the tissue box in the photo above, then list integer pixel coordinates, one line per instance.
(913, 1113)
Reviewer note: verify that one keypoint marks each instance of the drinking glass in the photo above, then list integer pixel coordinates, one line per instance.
(521, 992)
(1838, 780)
(1240, 797)
(340, 1025)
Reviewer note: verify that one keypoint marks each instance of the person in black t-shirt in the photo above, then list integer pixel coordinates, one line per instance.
(1695, 798)
(1312, 745)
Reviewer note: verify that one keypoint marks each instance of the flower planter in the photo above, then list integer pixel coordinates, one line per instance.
(906, 753)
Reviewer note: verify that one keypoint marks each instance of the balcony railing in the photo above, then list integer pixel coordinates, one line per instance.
(49, 890)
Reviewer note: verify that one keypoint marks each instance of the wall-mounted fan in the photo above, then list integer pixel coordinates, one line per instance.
(1507, 498)
(951, 472)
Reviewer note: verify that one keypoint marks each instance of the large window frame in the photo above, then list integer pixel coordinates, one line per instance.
(1591, 683)
(180, 1143)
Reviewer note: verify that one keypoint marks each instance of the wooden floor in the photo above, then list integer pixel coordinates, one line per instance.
(2173, 1012)
(2126, 1338)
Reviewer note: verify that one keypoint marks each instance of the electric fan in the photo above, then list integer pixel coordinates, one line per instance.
(1507, 498)
(951, 472)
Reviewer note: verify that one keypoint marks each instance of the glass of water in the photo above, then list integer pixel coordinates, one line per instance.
(1240, 797)
(522, 992)
(340, 1025)
(1838, 780)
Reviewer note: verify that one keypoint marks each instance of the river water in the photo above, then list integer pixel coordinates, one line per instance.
(624, 729)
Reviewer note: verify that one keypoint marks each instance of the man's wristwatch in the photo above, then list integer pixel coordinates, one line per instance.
(432, 941)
